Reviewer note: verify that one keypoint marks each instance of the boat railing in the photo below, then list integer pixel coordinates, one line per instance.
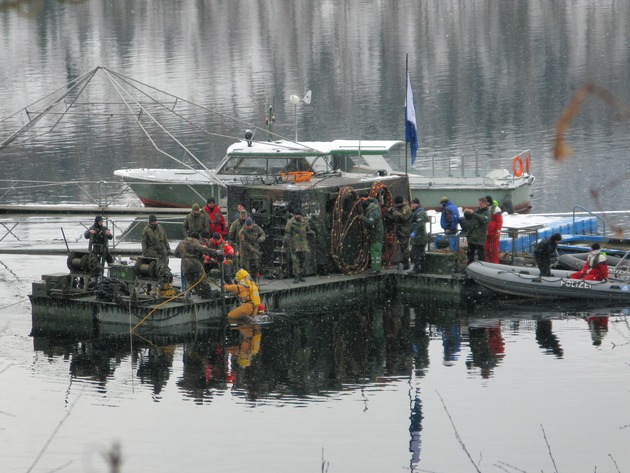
(465, 166)
(102, 194)
(126, 232)
(621, 270)
(590, 213)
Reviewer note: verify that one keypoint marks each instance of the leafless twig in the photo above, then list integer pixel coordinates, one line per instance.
(459, 438)
(549, 448)
(47, 444)
(325, 464)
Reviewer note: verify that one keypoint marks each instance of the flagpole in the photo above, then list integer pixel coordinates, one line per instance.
(405, 123)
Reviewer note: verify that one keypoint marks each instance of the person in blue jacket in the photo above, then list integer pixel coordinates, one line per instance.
(450, 216)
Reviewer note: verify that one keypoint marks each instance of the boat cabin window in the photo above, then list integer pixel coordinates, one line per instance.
(372, 162)
(249, 166)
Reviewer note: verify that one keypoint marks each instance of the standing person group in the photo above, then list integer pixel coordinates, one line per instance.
(481, 226)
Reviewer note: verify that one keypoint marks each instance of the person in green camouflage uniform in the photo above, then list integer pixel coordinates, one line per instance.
(249, 239)
(154, 241)
(196, 221)
(295, 240)
(190, 250)
(400, 214)
(419, 237)
(373, 220)
(235, 228)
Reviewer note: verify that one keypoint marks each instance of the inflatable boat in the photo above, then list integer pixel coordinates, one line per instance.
(526, 282)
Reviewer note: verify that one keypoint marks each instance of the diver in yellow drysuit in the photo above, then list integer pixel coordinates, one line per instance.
(247, 292)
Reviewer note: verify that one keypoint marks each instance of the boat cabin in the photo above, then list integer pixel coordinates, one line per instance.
(273, 158)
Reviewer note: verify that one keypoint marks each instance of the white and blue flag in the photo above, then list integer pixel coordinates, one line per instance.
(411, 128)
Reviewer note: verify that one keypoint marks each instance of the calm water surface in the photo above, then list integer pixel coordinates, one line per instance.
(383, 386)
(489, 78)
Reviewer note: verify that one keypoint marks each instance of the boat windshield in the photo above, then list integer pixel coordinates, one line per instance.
(256, 165)
(273, 166)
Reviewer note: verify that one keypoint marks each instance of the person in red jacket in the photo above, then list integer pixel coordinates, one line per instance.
(596, 266)
(217, 222)
(224, 254)
(493, 235)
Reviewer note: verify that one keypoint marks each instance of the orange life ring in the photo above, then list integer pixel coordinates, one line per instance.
(517, 166)
(527, 163)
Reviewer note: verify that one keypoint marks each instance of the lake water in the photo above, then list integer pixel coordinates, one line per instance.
(389, 386)
(385, 386)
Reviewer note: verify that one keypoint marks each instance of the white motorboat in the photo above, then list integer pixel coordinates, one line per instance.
(246, 161)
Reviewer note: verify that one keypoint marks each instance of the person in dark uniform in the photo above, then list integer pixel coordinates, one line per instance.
(545, 249)
(154, 241)
(296, 240)
(99, 235)
(400, 214)
(419, 237)
(190, 250)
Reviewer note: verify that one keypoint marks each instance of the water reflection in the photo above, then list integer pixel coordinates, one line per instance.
(546, 339)
(294, 358)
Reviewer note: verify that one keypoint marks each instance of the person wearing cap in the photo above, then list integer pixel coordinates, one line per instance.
(493, 232)
(196, 221)
(239, 208)
(295, 240)
(373, 220)
(98, 234)
(450, 216)
(419, 237)
(545, 249)
(249, 239)
(400, 214)
(154, 241)
(215, 217)
(235, 228)
(475, 225)
(190, 250)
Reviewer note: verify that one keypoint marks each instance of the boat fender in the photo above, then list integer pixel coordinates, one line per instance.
(517, 166)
